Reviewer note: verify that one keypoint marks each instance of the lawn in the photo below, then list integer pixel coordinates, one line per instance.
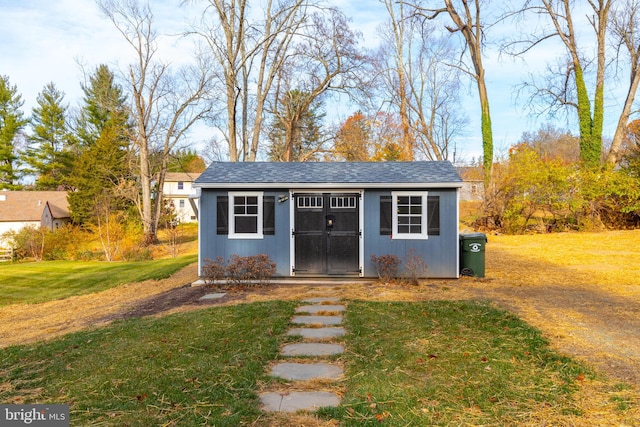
(199, 368)
(452, 363)
(407, 363)
(50, 280)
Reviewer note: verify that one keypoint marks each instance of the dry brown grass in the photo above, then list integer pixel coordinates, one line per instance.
(25, 323)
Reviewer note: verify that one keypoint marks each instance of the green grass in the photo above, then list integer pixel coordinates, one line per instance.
(449, 363)
(406, 364)
(198, 368)
(49, 280)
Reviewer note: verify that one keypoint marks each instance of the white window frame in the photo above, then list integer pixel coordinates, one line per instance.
(232, 216)
(424, 234)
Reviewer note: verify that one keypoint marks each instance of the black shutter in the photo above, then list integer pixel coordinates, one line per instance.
(269, 215)
(223, 215)
(386, 221)
(433, 215)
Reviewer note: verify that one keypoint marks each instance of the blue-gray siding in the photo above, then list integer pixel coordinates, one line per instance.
(438, 252)
(213, 245)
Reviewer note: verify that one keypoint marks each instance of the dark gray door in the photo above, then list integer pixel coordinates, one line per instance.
(327, 233)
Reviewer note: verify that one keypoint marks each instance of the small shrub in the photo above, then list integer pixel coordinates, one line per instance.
(415, 267)
(89, 255)
(263, 267)
(213, 270)
(28, 242)
(239, 270)
(386, 266)
(62, 242)
(137, 254)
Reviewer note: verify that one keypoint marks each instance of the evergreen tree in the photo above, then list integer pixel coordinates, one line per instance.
(100, 175)
(101, 171)
(49, 152)
(102, 98)
(11, 123)
(296, 133)
(186, 160)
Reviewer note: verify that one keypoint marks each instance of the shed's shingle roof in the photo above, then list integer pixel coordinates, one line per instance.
(373, 174)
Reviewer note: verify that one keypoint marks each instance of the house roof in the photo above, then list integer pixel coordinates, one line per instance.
(329, 174)
(23, 206)
(471, 173)
(181, 176)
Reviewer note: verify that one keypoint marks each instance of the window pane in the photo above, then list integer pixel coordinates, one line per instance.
(246, 224)
(403, 200)
(253, 200)
(252, 210)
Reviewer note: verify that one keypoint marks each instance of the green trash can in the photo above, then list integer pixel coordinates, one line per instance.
(472, 248)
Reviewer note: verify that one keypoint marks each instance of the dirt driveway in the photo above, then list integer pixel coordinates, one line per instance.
(581, 314)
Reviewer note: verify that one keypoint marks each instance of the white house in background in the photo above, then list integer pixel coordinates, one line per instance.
(177, 188)
(473, 186)
(38, 208)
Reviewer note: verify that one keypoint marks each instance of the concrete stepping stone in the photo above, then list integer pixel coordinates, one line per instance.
(312, 349)
(319, 300)
(317, 320)
(306, 371)
(317, 333)
(298, 401)
(216, 295)
(315, 309)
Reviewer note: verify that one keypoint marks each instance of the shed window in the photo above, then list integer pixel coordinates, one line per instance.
(409, 215)
(310, 202)
(246, 215)
(343, 202)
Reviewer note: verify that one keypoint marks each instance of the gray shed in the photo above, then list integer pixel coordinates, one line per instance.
(329, 218)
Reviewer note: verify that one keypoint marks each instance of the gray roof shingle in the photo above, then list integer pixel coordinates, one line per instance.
(310, 174)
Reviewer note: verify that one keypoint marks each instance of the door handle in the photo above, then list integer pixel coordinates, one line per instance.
(330, 221)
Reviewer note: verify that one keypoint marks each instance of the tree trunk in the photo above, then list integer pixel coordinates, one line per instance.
(623, 121)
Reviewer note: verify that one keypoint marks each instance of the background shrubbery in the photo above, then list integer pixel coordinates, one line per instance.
(123, 241)
(540, 186)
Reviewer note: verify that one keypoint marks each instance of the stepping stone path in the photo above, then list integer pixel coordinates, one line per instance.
(315, 328)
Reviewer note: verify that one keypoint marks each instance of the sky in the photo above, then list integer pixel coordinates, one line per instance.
(60, 41)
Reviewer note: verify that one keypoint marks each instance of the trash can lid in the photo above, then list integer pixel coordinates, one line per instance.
(474, 236)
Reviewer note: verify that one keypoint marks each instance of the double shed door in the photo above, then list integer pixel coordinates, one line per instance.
(327, 233)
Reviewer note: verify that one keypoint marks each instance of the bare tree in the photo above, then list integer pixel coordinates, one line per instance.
(567, 87)
(426, 90)
(249, 48)
(398, 41)
(165, 106)
(467, 19)
(326, 60)
(625, 23)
